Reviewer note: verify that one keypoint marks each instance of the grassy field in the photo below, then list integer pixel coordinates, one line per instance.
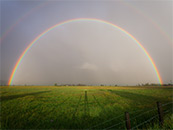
(85, 107)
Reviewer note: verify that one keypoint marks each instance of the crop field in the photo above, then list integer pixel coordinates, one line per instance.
(82, 107)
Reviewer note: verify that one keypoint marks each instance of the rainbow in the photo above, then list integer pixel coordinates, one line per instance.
(10, 29)
(18, 21)
(75, 20)
(148, 18)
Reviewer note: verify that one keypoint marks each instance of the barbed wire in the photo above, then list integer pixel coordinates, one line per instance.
(123, 121)
(142, 122)
(142, 114)
(107, 121)
(167, 111)
(145, 121)
(135, 111)
(167, 104)
(155, 108)
(151, 118)
(131, 118)
(114, 125)
(115, 118)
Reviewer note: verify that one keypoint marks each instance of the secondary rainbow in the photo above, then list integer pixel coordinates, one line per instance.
(18, 21)
(75, 20)
(148, 18)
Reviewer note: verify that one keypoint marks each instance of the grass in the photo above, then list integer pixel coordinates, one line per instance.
(53, 107)
(166, 126)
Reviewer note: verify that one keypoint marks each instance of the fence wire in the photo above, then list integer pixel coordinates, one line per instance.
(142, 114)
(130, 119)
(114, 125)
(145, 121)
(152, 118)
(106, 121)
(167, 104)
(133, 118)
(170, 110)
(114, 119)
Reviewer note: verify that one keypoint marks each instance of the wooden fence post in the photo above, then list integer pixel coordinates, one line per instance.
(85, 95)
(160, 112)
(127, 119)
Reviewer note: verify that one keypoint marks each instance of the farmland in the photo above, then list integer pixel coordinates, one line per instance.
(81, 107)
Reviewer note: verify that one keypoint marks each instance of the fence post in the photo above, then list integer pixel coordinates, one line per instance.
(160, 112)
(127, 119)
(85, 95)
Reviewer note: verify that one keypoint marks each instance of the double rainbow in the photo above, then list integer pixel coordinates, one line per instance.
(75, 20)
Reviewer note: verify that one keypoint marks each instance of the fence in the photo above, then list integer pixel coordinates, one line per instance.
(160, 115)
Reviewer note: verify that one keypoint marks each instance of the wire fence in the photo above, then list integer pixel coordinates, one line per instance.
(145, 121)
(150, 119)
(107, 121)
(114, 119)
(156, 109)
(168, 111)
(130, 119)
(167, 104)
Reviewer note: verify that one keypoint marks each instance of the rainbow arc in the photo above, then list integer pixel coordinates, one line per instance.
(75, 20)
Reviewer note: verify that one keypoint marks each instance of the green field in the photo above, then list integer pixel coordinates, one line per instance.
(84, 107)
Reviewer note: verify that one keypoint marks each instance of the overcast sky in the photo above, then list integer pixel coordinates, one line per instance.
(86, 52)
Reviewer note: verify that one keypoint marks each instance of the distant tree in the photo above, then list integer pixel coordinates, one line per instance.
(147, 84)
(55, 84)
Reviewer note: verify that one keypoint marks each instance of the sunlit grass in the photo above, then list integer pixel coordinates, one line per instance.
(65, 107)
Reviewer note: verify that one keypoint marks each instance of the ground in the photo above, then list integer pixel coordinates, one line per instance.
(83, 107)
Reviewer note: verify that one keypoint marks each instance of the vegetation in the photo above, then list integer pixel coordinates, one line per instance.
(82, 107)
(166, 126)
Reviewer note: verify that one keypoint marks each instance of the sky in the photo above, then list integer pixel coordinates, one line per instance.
(86, 52)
